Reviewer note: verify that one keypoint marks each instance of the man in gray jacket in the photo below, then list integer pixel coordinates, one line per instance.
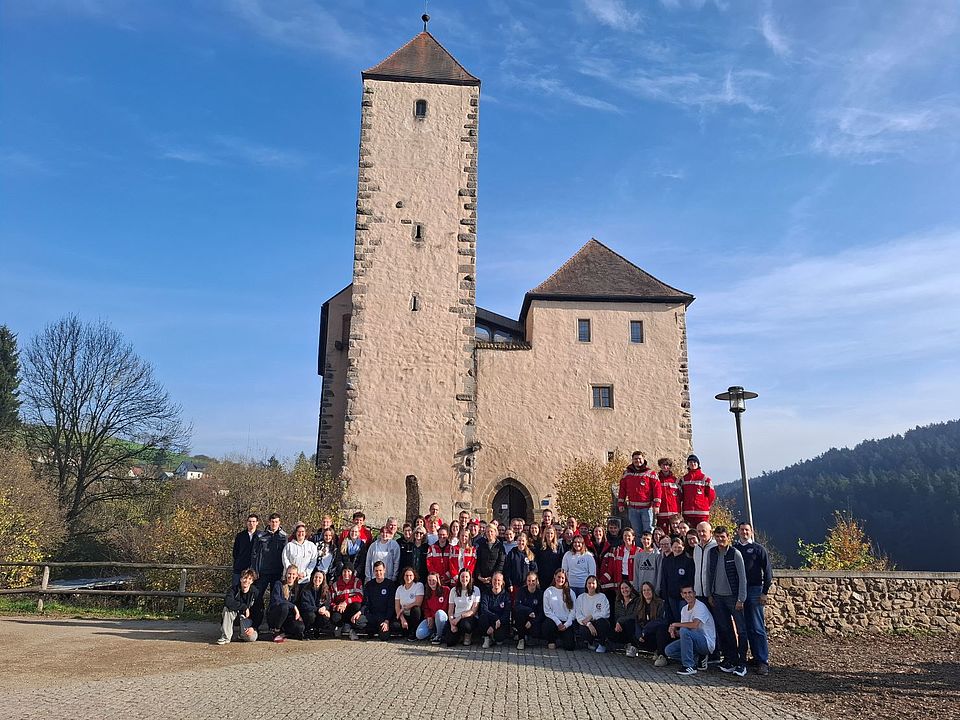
(386, 550)
(728, 590)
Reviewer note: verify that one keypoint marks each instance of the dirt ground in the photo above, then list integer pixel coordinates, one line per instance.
(878, 676)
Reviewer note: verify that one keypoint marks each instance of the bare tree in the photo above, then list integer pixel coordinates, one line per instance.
(91, 409)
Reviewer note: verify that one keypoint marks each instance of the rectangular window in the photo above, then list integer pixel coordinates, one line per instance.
(603, 396)
(636, 331)
(610, 455)
(583, 330)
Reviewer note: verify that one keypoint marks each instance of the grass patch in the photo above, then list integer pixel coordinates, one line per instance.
(26, 606)
(805, 632)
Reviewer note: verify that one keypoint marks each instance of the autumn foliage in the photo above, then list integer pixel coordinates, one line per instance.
(585, 488)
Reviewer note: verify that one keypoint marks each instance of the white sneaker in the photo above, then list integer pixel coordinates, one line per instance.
(521, 644)
(467, 638)
(222, 641)
(687, 671)
(601, 648)
(661, 661)
(631, 651)
(486, 642)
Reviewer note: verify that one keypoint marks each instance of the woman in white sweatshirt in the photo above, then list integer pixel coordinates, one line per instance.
(592, 611)
(300, 552)
(579, 564)
(558, 604)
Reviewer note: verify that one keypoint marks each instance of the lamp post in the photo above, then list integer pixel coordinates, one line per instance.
(737, 398)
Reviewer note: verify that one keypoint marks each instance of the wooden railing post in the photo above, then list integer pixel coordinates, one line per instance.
(44, 582)
(183, 589)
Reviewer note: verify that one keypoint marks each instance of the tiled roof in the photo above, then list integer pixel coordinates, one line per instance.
(422, 59)
(597, 273)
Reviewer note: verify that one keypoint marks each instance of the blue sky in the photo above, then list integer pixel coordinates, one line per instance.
(186, 170)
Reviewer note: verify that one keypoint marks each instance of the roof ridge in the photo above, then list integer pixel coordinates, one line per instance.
(570, 260)
(442, 47)
(633, 264)
(423, 58)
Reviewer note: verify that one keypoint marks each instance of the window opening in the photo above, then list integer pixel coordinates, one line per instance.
(636, 331)
(420, 109)
(583, 330)
(603, 396)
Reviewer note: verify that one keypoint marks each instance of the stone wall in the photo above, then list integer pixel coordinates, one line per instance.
(845, 602)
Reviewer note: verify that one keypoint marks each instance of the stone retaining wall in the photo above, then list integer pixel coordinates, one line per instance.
(844, 602)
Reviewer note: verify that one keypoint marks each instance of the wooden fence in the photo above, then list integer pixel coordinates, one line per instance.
(45, 588)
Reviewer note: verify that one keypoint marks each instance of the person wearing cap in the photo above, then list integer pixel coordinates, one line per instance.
(300, 552)
(639, 493)
(697, 493)
(670, 500)
(476, 532)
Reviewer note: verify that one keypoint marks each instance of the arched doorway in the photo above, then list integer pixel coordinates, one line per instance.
(510, 501)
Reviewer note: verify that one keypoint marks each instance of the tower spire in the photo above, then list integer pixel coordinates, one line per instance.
(426, 19)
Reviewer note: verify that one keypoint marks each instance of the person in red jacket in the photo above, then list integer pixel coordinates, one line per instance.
(697, 492)
(359, 519)
(463, 555)
(670, 498)
(438, 555)
(639, 493)
(617, 564)
(346, 602)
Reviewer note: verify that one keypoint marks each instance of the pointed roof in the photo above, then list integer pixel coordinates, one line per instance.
(422, 59)
(596, 273)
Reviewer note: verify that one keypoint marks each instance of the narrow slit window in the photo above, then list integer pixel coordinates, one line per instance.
(583, 330)
(417, 231)
(420, 109)
(636, 331)
(414, 302)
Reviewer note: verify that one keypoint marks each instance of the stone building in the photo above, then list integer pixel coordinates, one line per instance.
(418, 381)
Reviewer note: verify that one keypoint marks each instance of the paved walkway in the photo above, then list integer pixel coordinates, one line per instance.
(127, 670)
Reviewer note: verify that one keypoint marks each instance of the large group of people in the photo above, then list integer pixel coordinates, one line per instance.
(677, 590)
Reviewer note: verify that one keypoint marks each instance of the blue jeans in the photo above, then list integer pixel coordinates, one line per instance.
(727, 617)
(691, 645)
(753, 613)
(439, 625)
(640, 520)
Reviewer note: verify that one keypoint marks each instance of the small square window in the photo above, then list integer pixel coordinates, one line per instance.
(603, 396)
(636, 331)
(610, 455)
(583, 330)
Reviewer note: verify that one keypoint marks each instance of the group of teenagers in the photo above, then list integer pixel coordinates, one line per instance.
(674, 590)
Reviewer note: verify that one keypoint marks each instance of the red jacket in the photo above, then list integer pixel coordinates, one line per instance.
(639, 489)
(438, 561)
(670, 497)
(611, 566)
(606, 572)
(460, 558)
(365, 534)
(438, 601)
(350, 592)
(698, 495)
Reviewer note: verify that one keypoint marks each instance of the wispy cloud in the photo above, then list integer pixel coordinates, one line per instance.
(775, 39)
(229, 150)
(16, 163)
(299, 24)
(554, 88)
(613, 13)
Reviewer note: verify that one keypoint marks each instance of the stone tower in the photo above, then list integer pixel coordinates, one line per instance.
(402, 377)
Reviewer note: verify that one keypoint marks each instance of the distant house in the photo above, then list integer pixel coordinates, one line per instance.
(189, 471)
(141, 472)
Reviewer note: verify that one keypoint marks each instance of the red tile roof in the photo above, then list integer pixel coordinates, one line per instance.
(422, 59)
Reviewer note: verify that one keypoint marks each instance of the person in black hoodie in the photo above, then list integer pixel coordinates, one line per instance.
(528, 610)
(490, 559)
(414, 553)
(378, 609)
(550, 554)
(237, 602)
(676, 571)
(314, 604)
(243, 546)
(495, 611)
(283, 615)
(266, 559)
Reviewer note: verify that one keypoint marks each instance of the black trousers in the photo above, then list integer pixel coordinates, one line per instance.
(374, 627)
(499, 633)
(566, 639)
(465, 626)
(601, 625)
(264, 587)
(280, 617)
(627, 635)
(316, 623)
(413, 616)
(338, 618)
(520, 621)
(654, 636)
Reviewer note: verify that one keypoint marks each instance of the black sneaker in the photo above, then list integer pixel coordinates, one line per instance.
(727, 667)
(740, 671)
(702, 665)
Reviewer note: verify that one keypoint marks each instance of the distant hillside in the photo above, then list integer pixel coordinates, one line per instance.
(905, 488)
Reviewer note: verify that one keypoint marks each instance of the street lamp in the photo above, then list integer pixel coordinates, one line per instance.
(737, 398)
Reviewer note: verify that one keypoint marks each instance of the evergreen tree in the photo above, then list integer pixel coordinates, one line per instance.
(9, 382)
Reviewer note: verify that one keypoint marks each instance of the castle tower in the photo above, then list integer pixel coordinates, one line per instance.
(399, 390)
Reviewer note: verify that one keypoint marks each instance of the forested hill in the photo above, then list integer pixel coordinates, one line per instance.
(905, 488)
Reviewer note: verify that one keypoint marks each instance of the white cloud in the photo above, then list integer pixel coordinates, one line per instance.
(300, 24)
(554, 88)
(775, 39)
(613, 13)
(229, 150)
